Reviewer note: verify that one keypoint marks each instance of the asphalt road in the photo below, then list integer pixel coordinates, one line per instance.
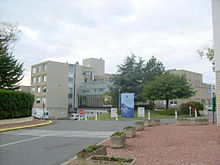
(56, 143)
(53, 144)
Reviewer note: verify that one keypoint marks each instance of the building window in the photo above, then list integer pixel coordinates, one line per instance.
(70, 90)
(39, 79)
(70, 80)
(33, 90)
(44, 67)
(44, 100)
(70, 96)
(38, 90)
(33, 80)
(34, 70)
(44, 89)
(44, 78)
(38, 100)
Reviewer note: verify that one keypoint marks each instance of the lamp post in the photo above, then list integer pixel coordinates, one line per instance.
(119, 100)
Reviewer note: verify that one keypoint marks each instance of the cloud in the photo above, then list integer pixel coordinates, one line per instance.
(70, 31)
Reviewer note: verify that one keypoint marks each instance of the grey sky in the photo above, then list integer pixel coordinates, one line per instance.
(71, 30)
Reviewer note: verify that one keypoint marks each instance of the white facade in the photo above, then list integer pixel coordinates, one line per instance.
(216, 37)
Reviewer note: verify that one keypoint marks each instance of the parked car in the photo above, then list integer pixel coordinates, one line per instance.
(41, 114)
(208, 107)
(75, 116)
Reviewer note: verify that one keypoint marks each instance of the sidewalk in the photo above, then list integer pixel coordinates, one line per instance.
(173, 145)
(34, 123)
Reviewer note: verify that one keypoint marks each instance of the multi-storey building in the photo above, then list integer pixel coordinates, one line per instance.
(56, 85)
(216, 37)
(202, 94)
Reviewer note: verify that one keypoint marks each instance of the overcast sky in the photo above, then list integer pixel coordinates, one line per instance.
(72, 30)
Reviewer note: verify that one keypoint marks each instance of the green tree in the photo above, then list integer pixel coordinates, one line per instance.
(208, 53)
(11, 70)
(132, 74)
(168, 87)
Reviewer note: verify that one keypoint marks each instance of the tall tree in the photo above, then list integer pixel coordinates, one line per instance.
(132, 74)
(11, 70)
(168, 87)
(208, 53)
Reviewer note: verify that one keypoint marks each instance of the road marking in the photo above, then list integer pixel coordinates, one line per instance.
(55, 133)
(21, 141)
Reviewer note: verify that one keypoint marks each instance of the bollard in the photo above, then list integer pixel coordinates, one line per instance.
(86, 117)
(116, 117)
(79, 118)
(96, 116)
(190, 111)
(176, 114)
(148, 115)
(195, 112)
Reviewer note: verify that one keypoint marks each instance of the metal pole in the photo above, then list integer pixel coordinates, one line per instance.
(119, 101)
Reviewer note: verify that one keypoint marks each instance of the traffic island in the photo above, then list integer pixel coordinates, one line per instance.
(29, 124)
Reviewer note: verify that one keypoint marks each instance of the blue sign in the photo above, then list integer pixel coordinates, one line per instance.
(127, 105)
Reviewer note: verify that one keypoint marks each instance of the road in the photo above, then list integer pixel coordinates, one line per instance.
(56, 143)
(53, 144)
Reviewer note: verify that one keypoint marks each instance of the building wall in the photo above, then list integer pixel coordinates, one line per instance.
(216, 36)
(195, 79)
(57, 89)
(24, 88)
(97, 65)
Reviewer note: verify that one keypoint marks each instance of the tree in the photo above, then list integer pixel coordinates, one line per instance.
(132, 74)
(208, 53)
(11, 70)
(168, 87)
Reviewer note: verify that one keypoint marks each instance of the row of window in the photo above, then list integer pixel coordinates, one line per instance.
(93, 90)
(39, 68)
(41, 100)
(39, 89)
(39, 79)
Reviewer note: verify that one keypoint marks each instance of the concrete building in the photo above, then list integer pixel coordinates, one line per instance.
(195, 79)
(24, 88)
(216, 37)
(57, 85)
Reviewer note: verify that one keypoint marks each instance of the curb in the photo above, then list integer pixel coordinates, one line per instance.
(27, 126)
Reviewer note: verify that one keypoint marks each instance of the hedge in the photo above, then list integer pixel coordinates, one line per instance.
(15, 104)
(184, 109)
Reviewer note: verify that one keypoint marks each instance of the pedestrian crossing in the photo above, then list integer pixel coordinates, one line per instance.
(63, 133)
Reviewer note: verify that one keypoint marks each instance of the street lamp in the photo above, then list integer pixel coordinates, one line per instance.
(119, 100)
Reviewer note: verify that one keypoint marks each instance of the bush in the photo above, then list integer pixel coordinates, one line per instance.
(167, 112)
(15, 104)
(150, 106)
(184, 108)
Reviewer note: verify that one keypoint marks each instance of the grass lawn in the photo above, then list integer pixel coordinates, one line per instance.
(154, 115)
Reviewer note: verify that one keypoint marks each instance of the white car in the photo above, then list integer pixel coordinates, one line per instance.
(75, 116)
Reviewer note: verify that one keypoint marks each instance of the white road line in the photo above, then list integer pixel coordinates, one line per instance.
(21, 141)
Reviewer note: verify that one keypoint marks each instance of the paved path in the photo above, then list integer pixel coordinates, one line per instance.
(56, 143)
(53, 144)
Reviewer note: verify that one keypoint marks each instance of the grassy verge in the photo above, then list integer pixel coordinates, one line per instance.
(154, 115)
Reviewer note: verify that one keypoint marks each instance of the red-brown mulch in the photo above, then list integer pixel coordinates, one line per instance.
(22, 124)
(172, 145)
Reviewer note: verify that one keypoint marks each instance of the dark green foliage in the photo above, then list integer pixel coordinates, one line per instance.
(91, 148)
(150, 106)
(168, 112)
(11, 70)
(15, 104)
(168, 87)
(118, 133)
(184, 109)
(132, 75)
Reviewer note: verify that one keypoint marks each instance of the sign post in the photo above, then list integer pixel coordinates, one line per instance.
(141, 112)
(127, 105)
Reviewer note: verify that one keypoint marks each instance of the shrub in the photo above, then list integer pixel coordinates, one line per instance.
(150, 106)
(184, 108)
(168, 112)
(118, 133)
(15, 104)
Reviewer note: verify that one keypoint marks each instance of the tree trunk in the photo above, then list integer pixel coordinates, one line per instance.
(167, 104)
